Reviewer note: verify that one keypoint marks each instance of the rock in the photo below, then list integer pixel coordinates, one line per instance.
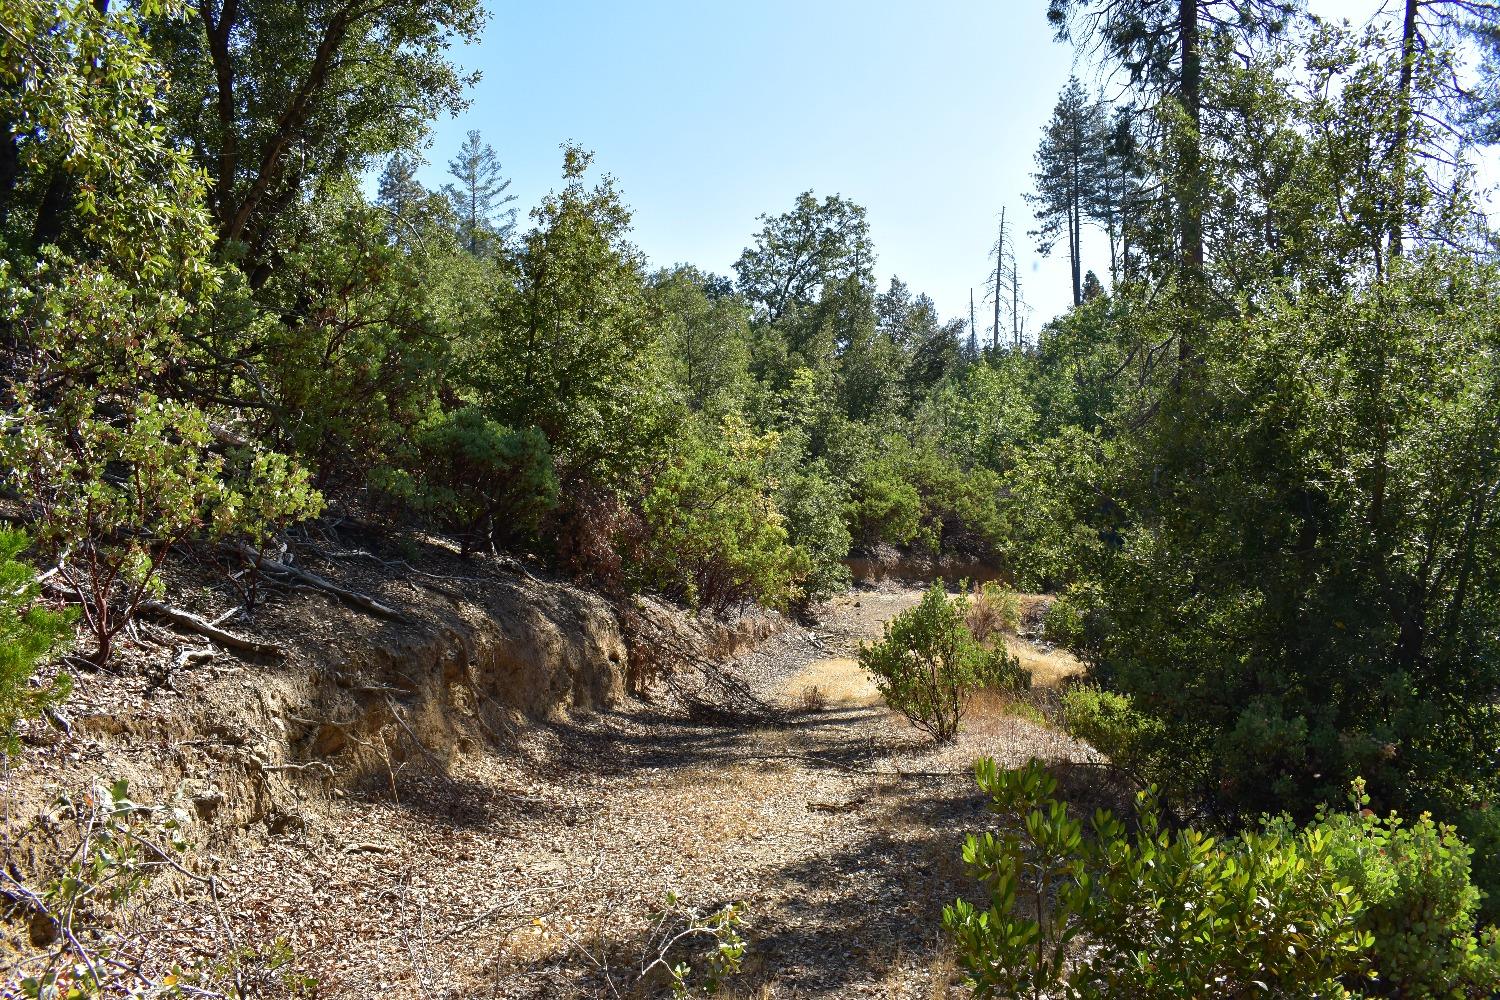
(205, 804)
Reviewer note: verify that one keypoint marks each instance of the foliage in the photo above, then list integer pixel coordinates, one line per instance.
(704, 332)
(1070, 167)
(812, 509)
(1110, 723)
(351, 351)
(120, 846)
(567, 348)
(1332, 620)
(1165, 913)
(801, 254)
(276, 100)
(478, 194)
(1420, 907)
(917, 496)
(105, 449)
(484, 481)
(985, 414)
(928, 664)
(716, 538)
(29, 633)
(1062, 623)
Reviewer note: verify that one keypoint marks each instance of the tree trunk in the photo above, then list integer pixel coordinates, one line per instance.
(1404, 123)
(1189, 207)
(999, 281)
(1075, 197)
(1015, 301)
(1192, 79)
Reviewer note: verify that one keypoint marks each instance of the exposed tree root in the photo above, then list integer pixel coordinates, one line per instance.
(363, 602)
(193, 623)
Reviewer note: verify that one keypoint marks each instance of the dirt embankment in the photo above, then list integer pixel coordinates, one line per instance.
(478, 806)
(254, 749)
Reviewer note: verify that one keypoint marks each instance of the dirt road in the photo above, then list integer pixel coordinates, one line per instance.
(520, 875)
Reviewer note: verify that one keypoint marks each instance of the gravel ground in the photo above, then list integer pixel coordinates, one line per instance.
(518, 875)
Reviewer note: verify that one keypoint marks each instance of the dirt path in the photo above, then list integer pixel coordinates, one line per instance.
(498, 878)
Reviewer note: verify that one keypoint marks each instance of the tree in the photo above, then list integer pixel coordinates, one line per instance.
(1428, 27)
(479, 195)
(48, 91)
(29, 632)
(1115, 196)
(717, 538)
(274, 98)
(1332, 620)
(1005, 284)
(705, 334)
(358, 351)
(1092, 287)
(1160, 45)
(567, 346)
(398, 191)
(926, 350)
(800, 253)
(1070, 161)
(103, 449)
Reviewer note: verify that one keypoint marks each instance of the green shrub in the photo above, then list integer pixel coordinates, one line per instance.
(1348, 905)
(28, 634)
(928, 664)
(917, 497)
(716, 537)
(1164, 914)
(884, 507)
(1109, 723)
(476, 476)
(115, 484)
(1420, 906)
(1062, 623)
(812, 509)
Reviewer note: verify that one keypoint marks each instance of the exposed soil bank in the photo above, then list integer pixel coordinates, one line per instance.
(496, 813)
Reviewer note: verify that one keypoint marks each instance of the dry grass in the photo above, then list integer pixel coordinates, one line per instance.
(993, 611)
(812, 699)
(943, 975)
(1048, 667)
(838, 681)
(991, 714)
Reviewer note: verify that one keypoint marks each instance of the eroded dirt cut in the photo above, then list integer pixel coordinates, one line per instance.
(510, 876)
(519, 869)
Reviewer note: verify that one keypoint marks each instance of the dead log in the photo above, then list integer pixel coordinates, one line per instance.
(193, 623)
(365, 603)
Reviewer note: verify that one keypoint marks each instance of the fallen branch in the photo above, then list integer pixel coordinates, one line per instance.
(363, 602)
(296, 768)
(193, 623)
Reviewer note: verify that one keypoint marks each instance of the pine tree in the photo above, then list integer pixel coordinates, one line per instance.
(399, 191)
(1429, 26)
(1069, 162)
(1005, 284)
(1114, 196)
(1159, 43)
(479, 195)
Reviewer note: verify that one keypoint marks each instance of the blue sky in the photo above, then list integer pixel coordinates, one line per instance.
(711, 113)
